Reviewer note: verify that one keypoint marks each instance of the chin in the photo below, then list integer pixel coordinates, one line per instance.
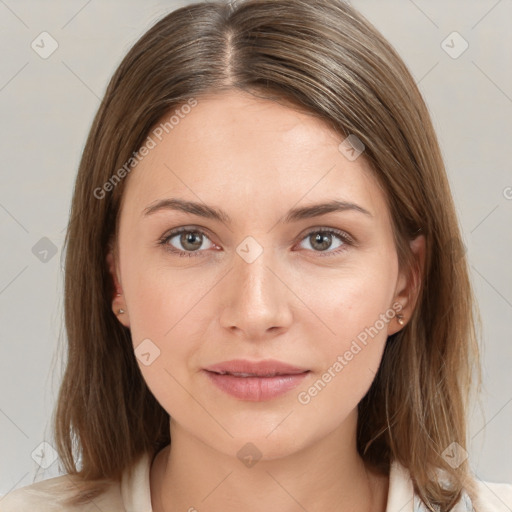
(261, 442)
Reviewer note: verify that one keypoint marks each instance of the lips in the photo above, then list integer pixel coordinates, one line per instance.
(245, 368)
(255, 381)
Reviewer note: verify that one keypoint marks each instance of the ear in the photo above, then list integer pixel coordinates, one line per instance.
(112, 268)
(409, 284)
(118, 300)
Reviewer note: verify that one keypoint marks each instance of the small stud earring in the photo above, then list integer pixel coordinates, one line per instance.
(121, 311)
(400, 319)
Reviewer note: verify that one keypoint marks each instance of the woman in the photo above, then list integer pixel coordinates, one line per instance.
(265, 302)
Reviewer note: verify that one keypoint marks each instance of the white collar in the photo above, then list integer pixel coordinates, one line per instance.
(135, 487)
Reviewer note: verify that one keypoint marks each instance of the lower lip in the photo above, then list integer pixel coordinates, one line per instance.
(256, 389)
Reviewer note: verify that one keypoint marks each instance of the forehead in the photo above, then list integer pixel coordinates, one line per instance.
(233, 148)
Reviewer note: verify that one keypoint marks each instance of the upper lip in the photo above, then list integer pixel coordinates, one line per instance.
(267, 367)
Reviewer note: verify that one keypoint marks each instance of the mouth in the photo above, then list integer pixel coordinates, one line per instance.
(255, 381)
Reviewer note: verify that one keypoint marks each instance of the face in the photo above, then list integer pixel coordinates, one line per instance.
(318, 292)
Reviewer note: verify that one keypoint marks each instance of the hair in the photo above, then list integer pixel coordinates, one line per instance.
(326, 59)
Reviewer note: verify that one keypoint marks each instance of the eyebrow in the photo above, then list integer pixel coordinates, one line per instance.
(293, 215)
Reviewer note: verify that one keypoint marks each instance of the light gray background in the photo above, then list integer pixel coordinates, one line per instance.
(47, 106)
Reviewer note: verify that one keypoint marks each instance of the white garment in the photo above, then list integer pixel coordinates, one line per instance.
(133, 495)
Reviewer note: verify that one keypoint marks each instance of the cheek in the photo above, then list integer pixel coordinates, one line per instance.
(350, 323)
(160, 298)
(350, 361)
(162, 326)
(167, 314)
(347, 301)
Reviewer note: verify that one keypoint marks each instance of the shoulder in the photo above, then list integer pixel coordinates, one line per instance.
(492, 496)
(50, 496)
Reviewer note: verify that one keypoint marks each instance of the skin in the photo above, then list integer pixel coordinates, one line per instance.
(296, 303)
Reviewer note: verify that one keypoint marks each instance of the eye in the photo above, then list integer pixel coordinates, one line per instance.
(321, 239)
(191, 240)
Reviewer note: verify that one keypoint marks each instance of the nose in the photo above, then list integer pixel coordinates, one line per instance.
(256, 298)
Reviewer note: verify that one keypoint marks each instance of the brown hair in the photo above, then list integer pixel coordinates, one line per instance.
(325, 58)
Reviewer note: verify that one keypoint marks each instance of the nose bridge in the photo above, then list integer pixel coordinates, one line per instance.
(257, 298)
(252, 273)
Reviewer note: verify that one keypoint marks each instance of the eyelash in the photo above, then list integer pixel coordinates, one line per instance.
(345, 238)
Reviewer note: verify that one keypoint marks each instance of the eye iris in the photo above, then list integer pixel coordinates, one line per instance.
(324, 239)
(188, 238)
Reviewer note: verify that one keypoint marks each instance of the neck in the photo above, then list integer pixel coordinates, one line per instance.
(328, 474)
